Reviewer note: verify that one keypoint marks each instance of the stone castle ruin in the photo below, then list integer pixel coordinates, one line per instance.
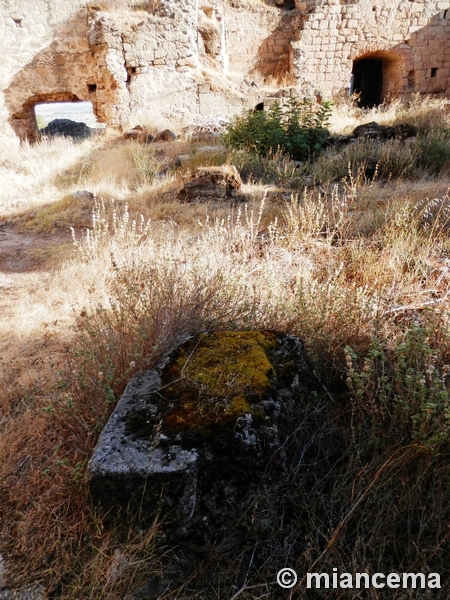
(180, 58)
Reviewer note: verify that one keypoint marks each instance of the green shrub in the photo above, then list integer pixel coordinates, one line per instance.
(435, 153)
(298, 129)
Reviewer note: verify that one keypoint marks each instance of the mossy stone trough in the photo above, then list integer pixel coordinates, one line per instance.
(195, 435)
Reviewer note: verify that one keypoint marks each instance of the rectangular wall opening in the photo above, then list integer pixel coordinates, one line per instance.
(81, 112)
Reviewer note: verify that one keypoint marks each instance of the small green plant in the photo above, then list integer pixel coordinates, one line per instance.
(299, 129)
(404, 388)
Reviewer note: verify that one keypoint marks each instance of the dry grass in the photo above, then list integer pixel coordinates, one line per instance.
(31, 175)
(427, 114)
(345, 267)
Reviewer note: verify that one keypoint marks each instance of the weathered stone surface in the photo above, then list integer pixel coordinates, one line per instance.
(140, 134)
(373, 131)
(166, 136)
(196, 436)
(83, 195)
(211, 183)
(67, 128)
(35, 592)
(129, 470)
(135, 133)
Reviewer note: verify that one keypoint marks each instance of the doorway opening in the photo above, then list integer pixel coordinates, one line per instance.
(81, 112)
(368, 81)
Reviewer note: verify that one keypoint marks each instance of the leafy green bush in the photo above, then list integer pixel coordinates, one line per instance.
(299, 129)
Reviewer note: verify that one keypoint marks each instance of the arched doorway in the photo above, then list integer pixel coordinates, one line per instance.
(368, 81)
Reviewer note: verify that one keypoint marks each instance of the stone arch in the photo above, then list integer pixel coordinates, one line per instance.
(24, 121)
(376, 76)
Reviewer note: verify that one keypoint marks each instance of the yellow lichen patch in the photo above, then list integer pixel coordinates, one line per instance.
(218, 377)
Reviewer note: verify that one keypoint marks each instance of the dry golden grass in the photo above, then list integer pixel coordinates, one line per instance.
(31, 175)
(338, 265)
(427, 114)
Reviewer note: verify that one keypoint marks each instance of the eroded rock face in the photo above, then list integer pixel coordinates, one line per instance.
(196, 436)
(375, 131)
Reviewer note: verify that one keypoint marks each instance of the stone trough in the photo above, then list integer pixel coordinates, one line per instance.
(193, 438)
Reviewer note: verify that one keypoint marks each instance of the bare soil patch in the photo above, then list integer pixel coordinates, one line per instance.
(22, 251)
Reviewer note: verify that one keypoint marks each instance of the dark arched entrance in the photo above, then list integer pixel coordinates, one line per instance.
(368, 81)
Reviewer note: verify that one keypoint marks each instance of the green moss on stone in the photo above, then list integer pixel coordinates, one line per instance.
(218, 377)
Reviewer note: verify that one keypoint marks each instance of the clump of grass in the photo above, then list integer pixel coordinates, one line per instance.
(431, 116)
(31, 174)
(391, 159)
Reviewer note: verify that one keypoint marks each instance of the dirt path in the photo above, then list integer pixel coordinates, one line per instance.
(22, 252)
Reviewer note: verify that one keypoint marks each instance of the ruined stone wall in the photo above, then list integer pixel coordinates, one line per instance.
(410, 39)
(171, 60)
(181, 58)
(120, 60)
(29, 31)
(258, 40)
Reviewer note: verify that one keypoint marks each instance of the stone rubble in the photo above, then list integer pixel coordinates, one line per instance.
(211, 183)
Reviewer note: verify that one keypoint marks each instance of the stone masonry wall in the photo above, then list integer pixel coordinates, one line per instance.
(28, 30)
(182, 58)
(410, 38)
(89, 54)
(171, 61)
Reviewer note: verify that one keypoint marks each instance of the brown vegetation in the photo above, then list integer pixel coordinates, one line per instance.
(320, 251)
